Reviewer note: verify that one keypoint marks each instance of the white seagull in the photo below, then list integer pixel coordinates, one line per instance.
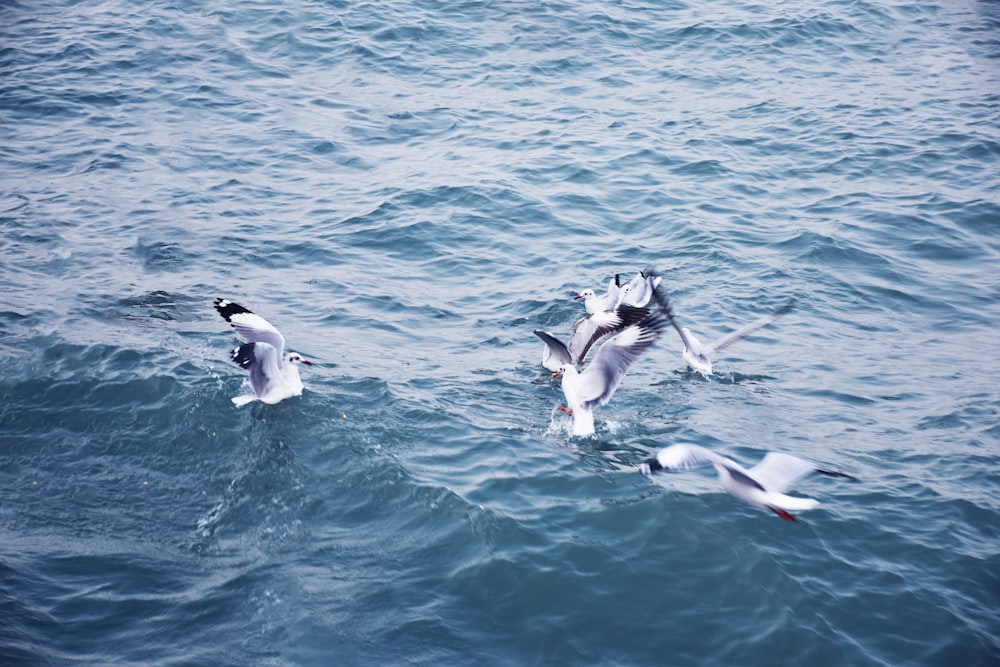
(697, 354)
(638, 291)
(587, 331)
(608, 301)
(761, 486)
(597, 383)
(274, 376)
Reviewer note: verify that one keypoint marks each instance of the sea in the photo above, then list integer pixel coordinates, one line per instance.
(407, 190)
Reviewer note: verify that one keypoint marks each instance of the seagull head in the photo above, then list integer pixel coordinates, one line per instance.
(585, 294)
(564, 370)
(296, 358)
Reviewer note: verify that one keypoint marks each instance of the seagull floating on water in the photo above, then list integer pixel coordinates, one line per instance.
(697, 354)
(761, 486)
(274, 376)
(595, 386)
(587, 331)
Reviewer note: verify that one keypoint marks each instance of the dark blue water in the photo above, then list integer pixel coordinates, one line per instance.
(407, 190)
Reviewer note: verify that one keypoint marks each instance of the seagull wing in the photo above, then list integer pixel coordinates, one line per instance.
(685, 457)
(250, 327)
(778, 471)
(261, 360)
(602, 377)
(610, 298)
(590, 329)
(743, 332)
(632, 292)
(558, 355)
(663, 301)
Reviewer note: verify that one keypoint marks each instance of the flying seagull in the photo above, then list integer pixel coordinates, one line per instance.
(698, 355)
(761, 486)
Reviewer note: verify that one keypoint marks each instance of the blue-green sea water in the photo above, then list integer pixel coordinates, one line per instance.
(407, 189)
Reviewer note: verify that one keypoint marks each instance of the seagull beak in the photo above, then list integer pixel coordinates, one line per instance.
(306, 362)
(556, 374)
(578, 296)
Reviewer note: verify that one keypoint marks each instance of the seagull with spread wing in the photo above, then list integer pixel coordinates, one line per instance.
(762, 486)
(698, 355)
(274, 375)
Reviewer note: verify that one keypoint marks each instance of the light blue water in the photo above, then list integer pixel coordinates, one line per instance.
(408, 189)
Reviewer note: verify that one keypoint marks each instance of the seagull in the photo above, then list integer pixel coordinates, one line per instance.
(638, 291)
(697, 354)
(274, 376)
(595, 386)
(587, 331)
(761, 486)
(596, 304)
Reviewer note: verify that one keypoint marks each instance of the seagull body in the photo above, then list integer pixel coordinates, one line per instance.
(587, 331)
(761, 486)
(699, 355)
(696, 354)
(274, 375)
(595, 386)
(607, 301)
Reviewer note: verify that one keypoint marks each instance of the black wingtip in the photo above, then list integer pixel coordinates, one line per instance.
(228, 308)
(838, 475)
(243, 355)
(787, 308)
(632, 314)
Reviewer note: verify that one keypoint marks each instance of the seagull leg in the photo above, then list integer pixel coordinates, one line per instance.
(783, 514)
(563, 408)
